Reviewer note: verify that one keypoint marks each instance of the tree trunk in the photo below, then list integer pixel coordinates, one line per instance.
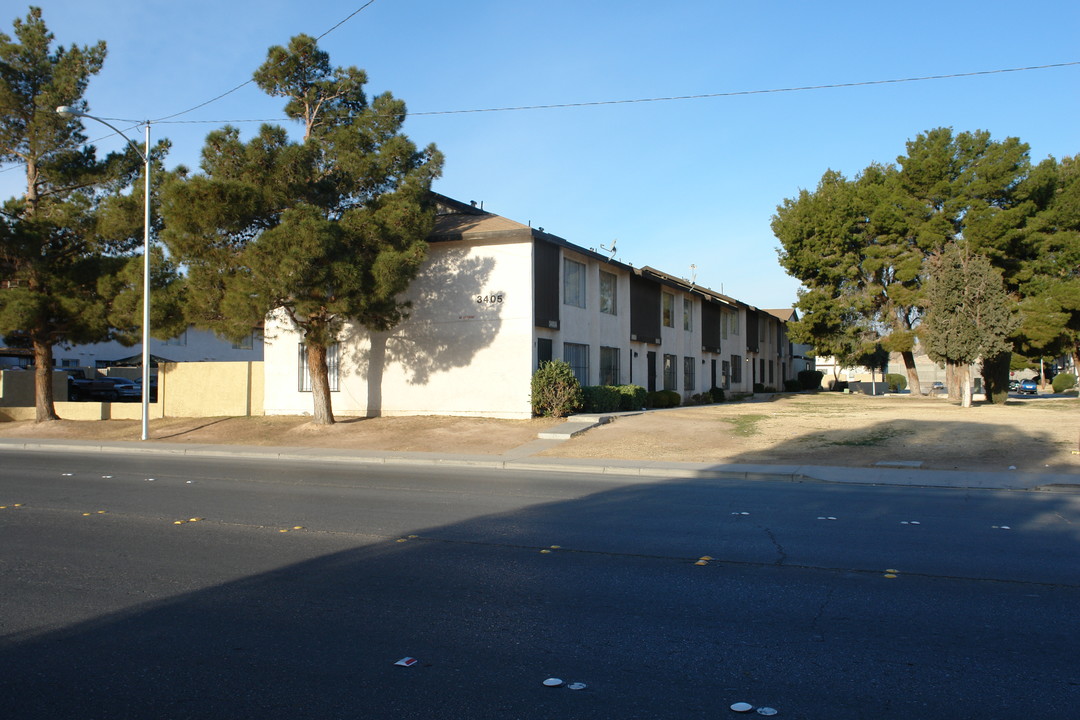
(43, 385)
(912, 373)
(323, 413)
(963, 374)
(952, 381)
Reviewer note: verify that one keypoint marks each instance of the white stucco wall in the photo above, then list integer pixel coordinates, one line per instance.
(464, 350)
(589, 326)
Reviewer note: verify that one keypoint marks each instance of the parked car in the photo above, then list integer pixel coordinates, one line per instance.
(81, 388)
(126, 390)
(1014, 385)
(153, 389)
(1029, 387)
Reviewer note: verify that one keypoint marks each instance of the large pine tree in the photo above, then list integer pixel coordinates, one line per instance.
(69, 247)
(327, 230)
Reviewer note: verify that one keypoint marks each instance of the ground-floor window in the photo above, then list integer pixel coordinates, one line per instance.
(543, 351)
(688, 374)
(609, 366)
(736, 368)
(577, 357)
(670, 372)
(725, 370)
(332, 353)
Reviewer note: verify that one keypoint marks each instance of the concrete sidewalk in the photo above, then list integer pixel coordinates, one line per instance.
(522, 459)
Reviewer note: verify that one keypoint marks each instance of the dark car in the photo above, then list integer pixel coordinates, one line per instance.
(126, 390)
(1014, 385)
(1028, 387)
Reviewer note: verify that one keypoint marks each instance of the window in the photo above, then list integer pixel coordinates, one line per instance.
(577, 357)
(687, 314)
(736, 368)
(669, 309)
(725, 368)
(543, 351)
(331, 363)
(735, 323)
(609, 366)
(669, 372)
(724, 325)
(69, 363)
(608, 288)
(688, 374)
(573, 283)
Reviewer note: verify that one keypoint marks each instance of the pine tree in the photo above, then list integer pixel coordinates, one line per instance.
(69, 246)
(969, 315)
(325, 231)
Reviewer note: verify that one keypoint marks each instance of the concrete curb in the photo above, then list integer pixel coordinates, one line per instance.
(645, 470)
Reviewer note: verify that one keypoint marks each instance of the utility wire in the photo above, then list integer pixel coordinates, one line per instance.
(249, 81)
(746, 92)
(733, 93)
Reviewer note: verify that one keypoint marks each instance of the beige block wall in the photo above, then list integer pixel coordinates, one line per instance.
(17, 387)
(211, 389)
(200, 389)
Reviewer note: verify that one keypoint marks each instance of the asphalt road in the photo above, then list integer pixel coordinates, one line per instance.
(154, 587)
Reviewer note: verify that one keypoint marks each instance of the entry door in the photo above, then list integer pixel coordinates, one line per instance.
(651, 357)
(713, 375)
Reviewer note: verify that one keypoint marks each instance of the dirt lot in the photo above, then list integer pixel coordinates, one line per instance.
(824, 429)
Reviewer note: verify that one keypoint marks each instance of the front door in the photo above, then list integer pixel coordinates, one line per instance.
(651, 357)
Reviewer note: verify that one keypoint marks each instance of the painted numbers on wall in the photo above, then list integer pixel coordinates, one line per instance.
(493, 299)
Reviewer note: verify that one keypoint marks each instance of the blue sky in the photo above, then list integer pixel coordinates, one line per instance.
(677, 183)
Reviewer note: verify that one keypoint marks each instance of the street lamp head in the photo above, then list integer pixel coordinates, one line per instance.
(67, 111)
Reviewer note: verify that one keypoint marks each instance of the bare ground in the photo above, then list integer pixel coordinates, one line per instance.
(1034, 435)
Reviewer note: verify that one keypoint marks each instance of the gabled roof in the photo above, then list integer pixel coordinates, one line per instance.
(784, 314)
(454, 220)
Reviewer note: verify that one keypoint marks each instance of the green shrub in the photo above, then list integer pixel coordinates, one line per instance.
(631, 397)
(759, 387)
(663, 399)
(896, 382)
(1063, 382)
(555, 390)
(810, 379)
(717, 394)
(792, 386)
(600, 398)
(768, 389)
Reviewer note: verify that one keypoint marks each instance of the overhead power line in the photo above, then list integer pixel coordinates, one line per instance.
(735, 93)
(249, 81)
(702, 96)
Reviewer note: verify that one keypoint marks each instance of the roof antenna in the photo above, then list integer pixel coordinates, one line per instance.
(693, 274)
(610, 249)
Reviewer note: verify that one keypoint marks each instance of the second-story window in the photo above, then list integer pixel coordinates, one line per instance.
(573, 283)
(608, 286)
(687, 314)
(669, 309)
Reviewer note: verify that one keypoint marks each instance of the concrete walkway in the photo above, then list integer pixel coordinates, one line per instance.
(521, 459)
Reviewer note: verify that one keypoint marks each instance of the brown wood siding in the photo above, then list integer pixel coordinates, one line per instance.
(644, 310)
(711, 317)
(546, 284)
(751, 331)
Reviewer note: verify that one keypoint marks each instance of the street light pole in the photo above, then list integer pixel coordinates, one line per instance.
(68, 111)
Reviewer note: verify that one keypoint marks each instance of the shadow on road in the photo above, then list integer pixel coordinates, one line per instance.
(793, 612)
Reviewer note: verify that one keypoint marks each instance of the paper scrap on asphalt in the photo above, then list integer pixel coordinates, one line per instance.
(407, 662)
